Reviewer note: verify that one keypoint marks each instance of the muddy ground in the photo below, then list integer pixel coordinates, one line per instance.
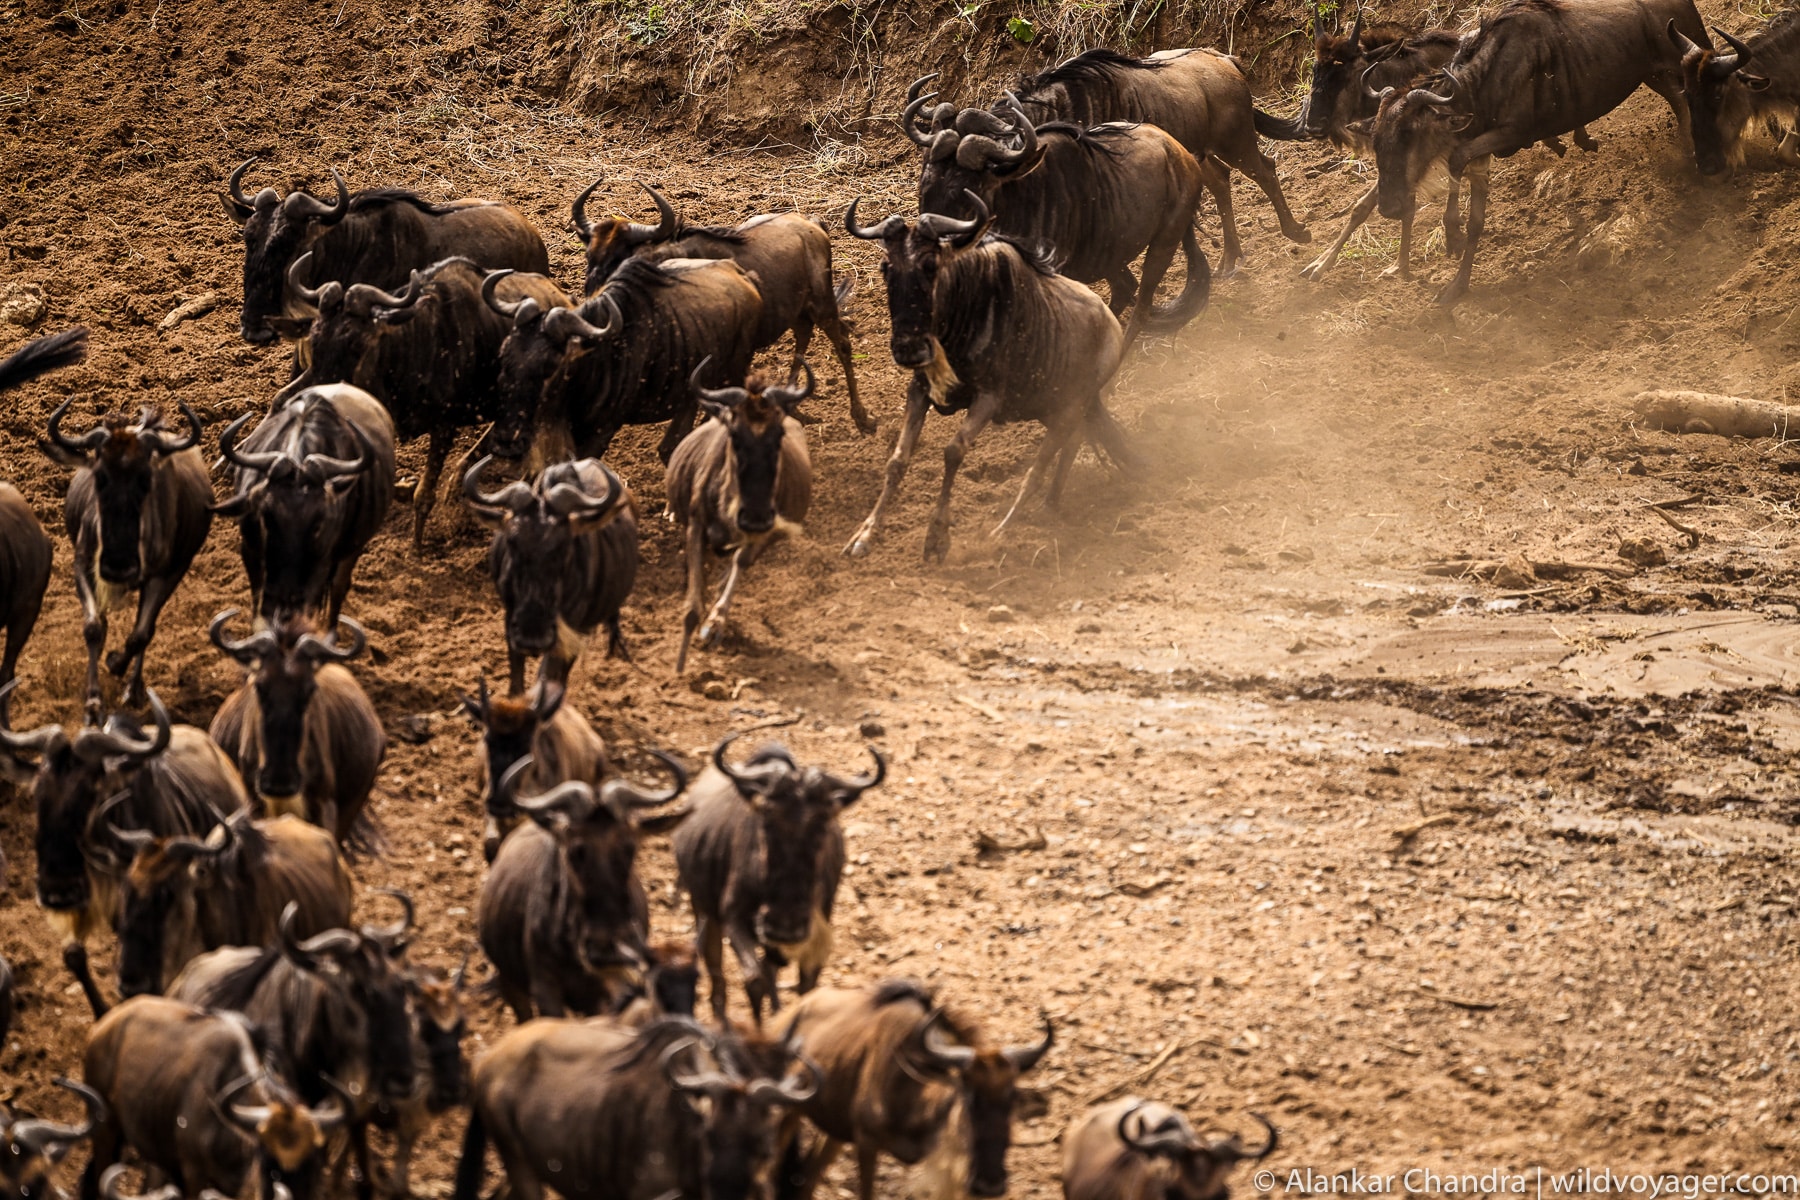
(1299, 812)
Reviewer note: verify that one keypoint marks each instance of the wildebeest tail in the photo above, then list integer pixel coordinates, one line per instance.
(63, 349)
(1167, 318)
(846, 288)
(366, 840)
(472, 1165)
(1280, 129)
(1109, 440)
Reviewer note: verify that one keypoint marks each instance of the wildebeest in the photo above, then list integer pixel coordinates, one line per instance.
(989, 329)
(187, 1090)
(760, 860)
(563, 915)
(377, 237)
(138, 511)
(543, 726)
(564, 558)
(577, 376)
(439, 1024)
(789, 255)
(314, 482)
(6, 991)
(1724, 96)
(1535, 69)
(591, 1108)
(430, 354)
(31, 1147)
(183, 896)
(1096, 198)
(332, 1009)
(1199, 96)
(301, 729)
(24, 549)
(737, 484)
(175, 783)
(1134, 1149)
(904, 1077)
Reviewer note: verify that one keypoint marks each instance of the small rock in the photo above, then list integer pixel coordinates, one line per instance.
(1515, 574)
(1088, 627)
(1000, 614)
(414, 728)
(702, 680)
(1235, 550)
(872, 729)
(1642, 552)
(1637, 468)
(716, 690)
(22, 304)
(187, 310)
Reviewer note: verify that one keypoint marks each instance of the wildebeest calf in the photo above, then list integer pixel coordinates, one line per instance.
(541, 725)
(1136, 1149)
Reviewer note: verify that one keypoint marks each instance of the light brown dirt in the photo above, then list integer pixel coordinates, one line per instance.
(1223, 690)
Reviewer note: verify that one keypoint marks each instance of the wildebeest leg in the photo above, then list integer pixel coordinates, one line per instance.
(1478, 186)
(696, 586)
(1217, 180)
(1671, 89)
(103, 1152)
(937, 534)
(1250, 159)
(1156, 265)
(712, 953)
(758, 979)
(1315, 270)
(1402, 266)
(714, 628)
(1123, 289)
(680, 427)
(93, 632)
(151, 598)
(917, 398)
(868, 1163)
(1585, 140)
(75, 958)
(839, 335)
(515, 672)
(16, 635)
(1453, 230)
(340, 590)
(425, 498)
(1054, 442)
(359, 1141)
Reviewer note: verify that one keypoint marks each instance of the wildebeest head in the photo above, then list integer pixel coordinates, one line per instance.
(289, 1137)
(277, 231)
(673, 980)
(370, 964)
(350, 322)
(31, 1148)
(973, 151)
(159, 887)
(597, 841)
(122, 459)
(284, 661)
(441, 1022)
(737, 1137)
(1718, 90)
(1161, 1132)
(536, 527)
(73, 776)
(509, 730)
(796, 808)
(542, 347)
(754, 417)
(1337, 75)
(609, 241)
(1413, 130)
(913, 258)
(987, 1080)
(298, 502)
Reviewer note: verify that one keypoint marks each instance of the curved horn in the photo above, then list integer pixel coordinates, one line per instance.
(957, 233)
(165, 446)
(909, 119)
(112, 1181)
(578, 211)
(1681, 40)
(1378, 97)
(410, 295)
(321, 467)
(100, 743)
(289, 943)
(506, 308)
(320, 649)
(667, 225)
(393, 936)
(870, 233)
(515, 497)
(727, 396)
(137, 839)
(574, 799)
(789, 396)
(918, 85)
(789, 1091)
(234, 187)
(566, 323)
(945, 1053)
(1175, 1140)
(1743, 51)
(247, 651)
(46, 1137)
(754, 784)
(862, 783)
(1356, 29)
(636, 797)
(566, 499)
(250, 461)
(306, 207)
(34, 742)
(690, 1081)
(333, 942)
(88, 442)
(296, 270)
(1427, 96)
(329, 1118)
(1232, 1150)
(247, 1118)
(1023, 1058)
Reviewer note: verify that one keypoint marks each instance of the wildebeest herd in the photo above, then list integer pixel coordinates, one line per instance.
(266, 1020)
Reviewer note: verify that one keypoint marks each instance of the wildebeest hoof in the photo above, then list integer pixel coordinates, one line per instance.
(116, 662)
(1397, 271)
(1314, 270)
(861, 544)
(710, 635)
(1300, 234)
(865, 424)
(1453, 292)
(937, 544)
(1586, 141)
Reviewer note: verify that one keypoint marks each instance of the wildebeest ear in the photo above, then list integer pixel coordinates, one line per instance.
(1756, 83)
(472, 709)
(240, 215)
(661, 822)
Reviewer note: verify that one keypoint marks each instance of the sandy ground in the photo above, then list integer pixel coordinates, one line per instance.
(1436, 871)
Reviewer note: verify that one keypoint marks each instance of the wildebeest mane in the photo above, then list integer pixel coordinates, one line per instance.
(381, 197)
(1780, 36)
(639, 275)
(1099, 65)
(1040, 256)
(234, 989)
(895, 991)
(658, 1036)
(1507, 12)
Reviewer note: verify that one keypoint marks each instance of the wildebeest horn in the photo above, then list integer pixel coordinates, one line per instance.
(696, 1081)
(789, 1091)
(1427, 96)
(51, 1139)
(1023, 1058)
(91, 744)
(89, 441)
(909, 120)
(918, 85)
(887, 229)
(515, 497)
(565, 323)
(234, 188)
(574, 797)
(755, 782)
(633, 796)
(247, 651)
(506, 308)
(1356, 29)
(862, 783)
(363, 297)
(566, 499)
(250, 1118)
(328, 1119)
(1232, 1149)
(393, 936)
(1176, 1139)
(790, 395)
(1371, 93)
(34, 742)
(1681, 40)
(317, 649)
(957, 233)
(260, 460)
(945, 1053)
(665, 228)
(296, 270)
(980, 120)
(332, 941)
(320, 467)
(137, 839)
(578, 211)
(730, 397)
(1743, 50)
(462, 972)
(111, 1182)
(164, 445)
(304, 206)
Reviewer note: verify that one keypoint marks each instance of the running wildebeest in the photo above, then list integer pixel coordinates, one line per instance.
(24, 547)
(989, 329)
(790, 256)
(137, 513)
(1134, 1149)
(1725, 97)
(378, 237)
(543, 726)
